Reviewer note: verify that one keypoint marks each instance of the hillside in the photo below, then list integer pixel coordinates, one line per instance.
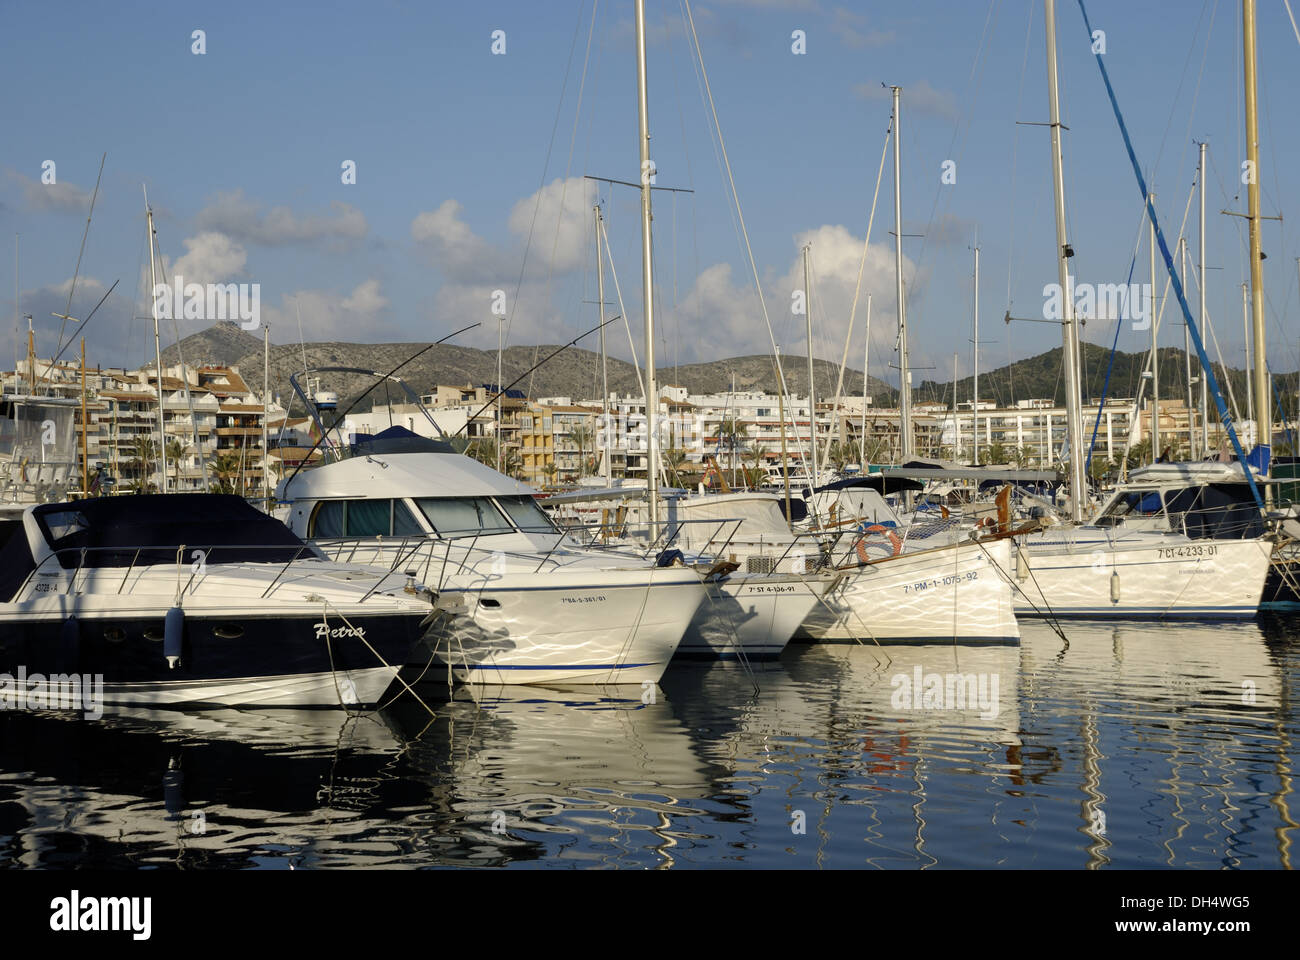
(574, 373)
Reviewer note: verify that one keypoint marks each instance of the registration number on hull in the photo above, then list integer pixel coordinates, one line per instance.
(922, 585)
(1182, 553)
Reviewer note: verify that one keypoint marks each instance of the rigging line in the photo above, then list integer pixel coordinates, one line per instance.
(564, 182)
(945, 197)
(618, 292)
(1015, 147)
(862, 264)
(189, 395)
(80, 253)
(383, 378)
(735, 196)
(713, 135)
(1213, 385)
(546, 164)
(1292, 16)
(1164, 139)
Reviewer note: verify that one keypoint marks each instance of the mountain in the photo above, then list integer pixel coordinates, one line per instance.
(1043, 376)
(221, 343)
(573, 373)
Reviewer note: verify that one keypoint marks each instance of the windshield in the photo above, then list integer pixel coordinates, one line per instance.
(462, 516)
(526, 514)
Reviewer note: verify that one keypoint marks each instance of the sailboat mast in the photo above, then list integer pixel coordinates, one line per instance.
(1155, 349)
(866, 379)
(1187, 359)
(975, 388)
(157, 351)
(1263, 402)
(604, 368)
(266, 414)
(1069, 329)
(647, 276)
(904, 375)
(812, 390)
(1200, 269)
(1245, 325)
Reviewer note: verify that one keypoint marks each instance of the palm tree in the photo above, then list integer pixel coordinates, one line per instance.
(226, 468)
(672, 460)
(144, 454)
(584, 436)
(732, 435)
(176, 450)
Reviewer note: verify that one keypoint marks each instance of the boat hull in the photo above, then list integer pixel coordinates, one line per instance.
(753, 616)
(228, 659)
(951, 594)
(1176, 580)
(612, 626)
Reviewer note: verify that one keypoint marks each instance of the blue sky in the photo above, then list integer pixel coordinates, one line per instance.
(241, 149)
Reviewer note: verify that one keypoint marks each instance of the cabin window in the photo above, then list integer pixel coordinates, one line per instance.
(404, 522)
(328, 519)
(526, 514)
(462, 515)
(369, 518)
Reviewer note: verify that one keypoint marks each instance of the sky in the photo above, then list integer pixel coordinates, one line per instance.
(469, 169)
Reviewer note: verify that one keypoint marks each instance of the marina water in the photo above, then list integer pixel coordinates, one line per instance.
(1120, 746)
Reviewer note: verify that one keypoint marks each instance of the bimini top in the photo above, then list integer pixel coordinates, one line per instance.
(150, 528)
(874, 481)
(399, 440)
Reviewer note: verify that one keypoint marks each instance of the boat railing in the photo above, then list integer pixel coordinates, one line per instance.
(416, 555)
(194, 556)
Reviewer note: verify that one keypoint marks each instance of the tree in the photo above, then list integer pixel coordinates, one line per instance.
(996, 453)
(225, 468)
(673, 458)
(584, 436)
(177, 450)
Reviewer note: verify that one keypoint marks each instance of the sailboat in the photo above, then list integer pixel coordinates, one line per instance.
(1096, 570)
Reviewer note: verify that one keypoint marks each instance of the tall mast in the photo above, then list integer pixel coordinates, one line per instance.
(647, 276)
(956, 427)
(905, 375)
(157, 350)
(975, 388)
(1187, 359)
(1200, 269)
(812, 391)
(266, 413)
(866, 379)
(1069, 329)
(1155, 349)
(604, 369)
(1263, 402)
(85, 427)
(1245, 323)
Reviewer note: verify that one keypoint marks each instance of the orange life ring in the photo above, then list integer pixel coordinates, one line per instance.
(861, 545)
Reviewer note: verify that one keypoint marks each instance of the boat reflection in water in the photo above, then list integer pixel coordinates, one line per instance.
(1122, 746)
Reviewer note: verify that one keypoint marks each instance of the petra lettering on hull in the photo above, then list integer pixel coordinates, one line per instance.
(325, 632)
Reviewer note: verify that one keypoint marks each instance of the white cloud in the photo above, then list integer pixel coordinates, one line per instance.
(210, 257)
(852, 30)
(239, 217)
(453, 246)
(563, 221)
(359, 317)
(60, 196)
(920, 97)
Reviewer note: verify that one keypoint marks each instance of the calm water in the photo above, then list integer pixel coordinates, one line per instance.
(1130, 746)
